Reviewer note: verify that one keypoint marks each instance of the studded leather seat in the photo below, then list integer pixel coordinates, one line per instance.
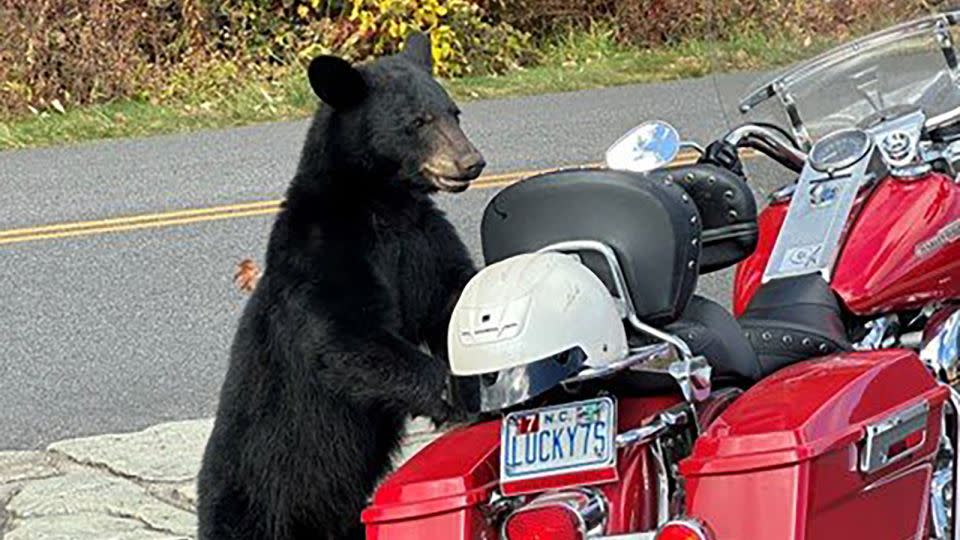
(793, 319)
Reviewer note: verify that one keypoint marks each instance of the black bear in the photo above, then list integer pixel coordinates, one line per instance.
(361, 271)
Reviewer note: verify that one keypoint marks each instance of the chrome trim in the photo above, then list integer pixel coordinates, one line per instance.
(945, 40)
(663, 482)
(954, 400)
(911, 172)
(941, 482)
(948, 153)
(693, 145)
(941, 485)
(847, 161)
(589, 505)
(698, 527)
(942, 119)
(783, 194)
(620, 285)
(651, 434)
(651, 355)
(940, 349)
(883, 435)
(814, 227)
(882, 334)
(768, 141)
(800, 132)
(664, 421)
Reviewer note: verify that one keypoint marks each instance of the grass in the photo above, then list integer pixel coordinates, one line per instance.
(575, 61)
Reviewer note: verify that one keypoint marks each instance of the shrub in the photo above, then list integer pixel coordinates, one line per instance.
(60, 53)
(463, 42)
(669, 21)
(71, 52)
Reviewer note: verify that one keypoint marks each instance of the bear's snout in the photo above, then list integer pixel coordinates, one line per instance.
(453, 162)
(471, 165)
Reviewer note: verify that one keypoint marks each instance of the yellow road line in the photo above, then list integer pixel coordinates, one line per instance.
(230, 211)
(139, 218)
(138, 226)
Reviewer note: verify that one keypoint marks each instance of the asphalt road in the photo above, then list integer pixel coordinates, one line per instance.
(119, 329)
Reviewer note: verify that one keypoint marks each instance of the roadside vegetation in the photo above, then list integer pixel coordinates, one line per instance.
(74, 70)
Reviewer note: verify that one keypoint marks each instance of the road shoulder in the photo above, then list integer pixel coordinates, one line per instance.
(126, 486)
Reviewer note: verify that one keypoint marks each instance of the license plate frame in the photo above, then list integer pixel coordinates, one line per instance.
(592, 448)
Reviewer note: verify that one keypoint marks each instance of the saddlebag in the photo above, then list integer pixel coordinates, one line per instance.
(438, 494)
(837, 447)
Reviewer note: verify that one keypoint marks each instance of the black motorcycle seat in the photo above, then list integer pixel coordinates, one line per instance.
(793, 319)
(712, 332)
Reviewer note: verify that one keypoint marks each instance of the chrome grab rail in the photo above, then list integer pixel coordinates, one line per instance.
(691, 372)
(656, 353)
(620, 285)
(664, 421)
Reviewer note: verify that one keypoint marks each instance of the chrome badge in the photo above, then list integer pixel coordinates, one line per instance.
(822, 195)
(946, 235)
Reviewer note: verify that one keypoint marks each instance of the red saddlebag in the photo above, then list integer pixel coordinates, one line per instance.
(838, 447)
(438, 494)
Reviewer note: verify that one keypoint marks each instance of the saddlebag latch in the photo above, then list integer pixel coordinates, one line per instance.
(894, 437)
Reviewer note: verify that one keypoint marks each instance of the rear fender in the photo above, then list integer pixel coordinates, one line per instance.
(443, 491)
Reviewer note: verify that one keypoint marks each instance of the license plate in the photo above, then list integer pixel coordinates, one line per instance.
(566, 440)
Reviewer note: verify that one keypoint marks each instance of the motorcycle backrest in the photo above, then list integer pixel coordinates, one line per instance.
(652, 226)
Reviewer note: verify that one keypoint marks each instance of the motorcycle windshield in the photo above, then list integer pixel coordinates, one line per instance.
(911, 64)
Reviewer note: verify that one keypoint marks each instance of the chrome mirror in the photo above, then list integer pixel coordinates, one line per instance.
(644, 148)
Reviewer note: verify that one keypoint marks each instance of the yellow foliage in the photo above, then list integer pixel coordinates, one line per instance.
(454, 26)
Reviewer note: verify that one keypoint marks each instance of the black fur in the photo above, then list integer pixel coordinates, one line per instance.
(361, 270)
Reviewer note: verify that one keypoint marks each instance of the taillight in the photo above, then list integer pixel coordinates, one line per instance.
(683, 529)
(547, 523)
(565, 515)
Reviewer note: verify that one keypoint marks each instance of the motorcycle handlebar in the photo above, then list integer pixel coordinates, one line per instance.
(770, 142)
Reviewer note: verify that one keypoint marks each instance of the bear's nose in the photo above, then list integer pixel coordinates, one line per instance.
(472, 165)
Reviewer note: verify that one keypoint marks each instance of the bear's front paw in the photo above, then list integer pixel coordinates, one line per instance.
(444, 414)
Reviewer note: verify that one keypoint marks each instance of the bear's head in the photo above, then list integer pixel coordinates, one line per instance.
(391, 120)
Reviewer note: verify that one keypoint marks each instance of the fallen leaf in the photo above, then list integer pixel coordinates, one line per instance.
(246, 275)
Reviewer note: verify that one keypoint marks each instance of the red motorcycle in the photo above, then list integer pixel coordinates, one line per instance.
(619, 404)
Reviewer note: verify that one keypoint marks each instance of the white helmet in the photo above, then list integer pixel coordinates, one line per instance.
(529, 311)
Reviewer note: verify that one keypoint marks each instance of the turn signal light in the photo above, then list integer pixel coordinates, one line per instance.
(683, 530)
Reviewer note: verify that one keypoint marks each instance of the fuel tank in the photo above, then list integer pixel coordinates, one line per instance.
(901, 250)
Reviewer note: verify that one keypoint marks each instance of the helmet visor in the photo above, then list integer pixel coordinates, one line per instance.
(501, 389)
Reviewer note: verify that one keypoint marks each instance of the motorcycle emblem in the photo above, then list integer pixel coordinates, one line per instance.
(802, 258)
(822, 195)
(948, 234)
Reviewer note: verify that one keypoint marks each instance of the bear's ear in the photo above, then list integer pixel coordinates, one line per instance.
(417, 50)
(336, 82)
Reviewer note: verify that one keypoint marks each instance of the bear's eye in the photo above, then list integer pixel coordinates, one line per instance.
(422, 120)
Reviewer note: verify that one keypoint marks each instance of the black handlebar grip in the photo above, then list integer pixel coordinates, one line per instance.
(723, 154)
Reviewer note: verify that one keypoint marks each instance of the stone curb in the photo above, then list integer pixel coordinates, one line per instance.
(126, 486)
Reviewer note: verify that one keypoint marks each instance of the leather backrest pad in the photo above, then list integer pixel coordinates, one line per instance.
(652, 225)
